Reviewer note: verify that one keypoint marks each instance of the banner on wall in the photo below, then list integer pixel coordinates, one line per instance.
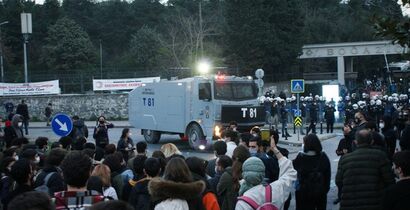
(33, 88)
(122, 84)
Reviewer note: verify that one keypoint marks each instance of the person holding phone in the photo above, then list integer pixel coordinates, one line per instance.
(126, 145)
(101, 132)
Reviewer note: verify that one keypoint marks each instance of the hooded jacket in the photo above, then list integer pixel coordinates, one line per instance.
(79, 129)
(14, 131)
(226, 193)
(253, 172)
(280, 188)
(209, 199)
(139, 197)
(175, 195)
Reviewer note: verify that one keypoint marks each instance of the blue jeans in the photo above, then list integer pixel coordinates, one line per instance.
(25, 125)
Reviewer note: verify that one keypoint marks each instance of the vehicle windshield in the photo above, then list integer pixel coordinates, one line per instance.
(235, 91)
(393, 68)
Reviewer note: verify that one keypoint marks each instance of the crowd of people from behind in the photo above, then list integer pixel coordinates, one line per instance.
(248, 172)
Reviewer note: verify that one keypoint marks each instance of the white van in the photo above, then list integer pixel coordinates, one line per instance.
(398, 66)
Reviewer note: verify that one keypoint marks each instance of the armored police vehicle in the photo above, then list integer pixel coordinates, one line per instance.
(196, 107)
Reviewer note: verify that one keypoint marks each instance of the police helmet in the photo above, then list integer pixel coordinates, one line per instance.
(355, 106)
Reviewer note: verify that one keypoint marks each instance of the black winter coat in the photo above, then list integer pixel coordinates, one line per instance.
(283, 114)
(22, 110)
(305, 164)
(101, 135)
(20, 189)
(390, 138)
(140, 197)
(313, 109)
(405, 138)
(271, 167)
(364, 174)
(344, 143)
(330, 114)
(397, 196)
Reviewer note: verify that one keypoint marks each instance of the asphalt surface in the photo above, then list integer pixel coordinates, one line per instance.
(329, 147)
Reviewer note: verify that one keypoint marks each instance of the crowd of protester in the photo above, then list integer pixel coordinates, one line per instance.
(248, 172)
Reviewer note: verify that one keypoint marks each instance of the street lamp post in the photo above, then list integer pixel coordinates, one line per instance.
(101, 59)
(1, 52)
(26, 30)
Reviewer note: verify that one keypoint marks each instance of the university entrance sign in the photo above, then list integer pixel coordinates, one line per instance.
(349, 50)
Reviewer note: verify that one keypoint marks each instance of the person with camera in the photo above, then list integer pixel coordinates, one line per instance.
(101, 132)
(126, 145)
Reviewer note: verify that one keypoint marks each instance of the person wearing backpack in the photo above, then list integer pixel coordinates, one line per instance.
(313, 167)
(139, 197)
(79, 133)
(272, 196)
(228, 186)
(22, 172)
(120, 174)
(197, 166)
(50, 179)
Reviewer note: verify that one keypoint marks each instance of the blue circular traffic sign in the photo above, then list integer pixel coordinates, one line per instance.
(62, 124)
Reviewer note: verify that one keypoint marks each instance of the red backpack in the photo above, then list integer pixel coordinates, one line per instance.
(267, 205)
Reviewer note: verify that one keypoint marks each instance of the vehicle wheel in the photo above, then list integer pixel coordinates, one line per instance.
(195, 135)
(151, 136)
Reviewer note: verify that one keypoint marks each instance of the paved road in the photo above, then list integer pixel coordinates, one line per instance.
(329, 146)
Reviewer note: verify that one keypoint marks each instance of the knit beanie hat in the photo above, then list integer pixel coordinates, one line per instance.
(253, 172)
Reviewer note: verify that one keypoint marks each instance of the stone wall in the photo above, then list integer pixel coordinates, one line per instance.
(89, 106)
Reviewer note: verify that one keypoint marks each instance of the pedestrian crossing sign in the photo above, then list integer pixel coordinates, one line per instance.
(297, 86)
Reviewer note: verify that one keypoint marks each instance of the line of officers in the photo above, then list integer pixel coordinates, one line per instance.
(316, 109)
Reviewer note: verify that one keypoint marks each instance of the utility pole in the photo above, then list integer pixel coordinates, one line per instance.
(201, 32)
(101, 76)
(26, 30)
(1, 52)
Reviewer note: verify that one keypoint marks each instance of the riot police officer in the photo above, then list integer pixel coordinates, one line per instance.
(330, 117)
(284, 119)
(313, 113)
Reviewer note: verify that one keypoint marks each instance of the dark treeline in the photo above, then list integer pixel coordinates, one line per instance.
(147, 37)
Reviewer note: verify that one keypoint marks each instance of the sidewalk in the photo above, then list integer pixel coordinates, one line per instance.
(90, 124)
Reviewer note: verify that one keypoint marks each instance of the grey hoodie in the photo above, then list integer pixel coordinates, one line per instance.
(14, 123)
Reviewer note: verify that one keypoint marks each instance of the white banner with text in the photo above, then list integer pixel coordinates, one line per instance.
(122, 84)
(33, 88)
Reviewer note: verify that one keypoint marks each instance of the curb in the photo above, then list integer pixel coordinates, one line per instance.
(45, 127)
